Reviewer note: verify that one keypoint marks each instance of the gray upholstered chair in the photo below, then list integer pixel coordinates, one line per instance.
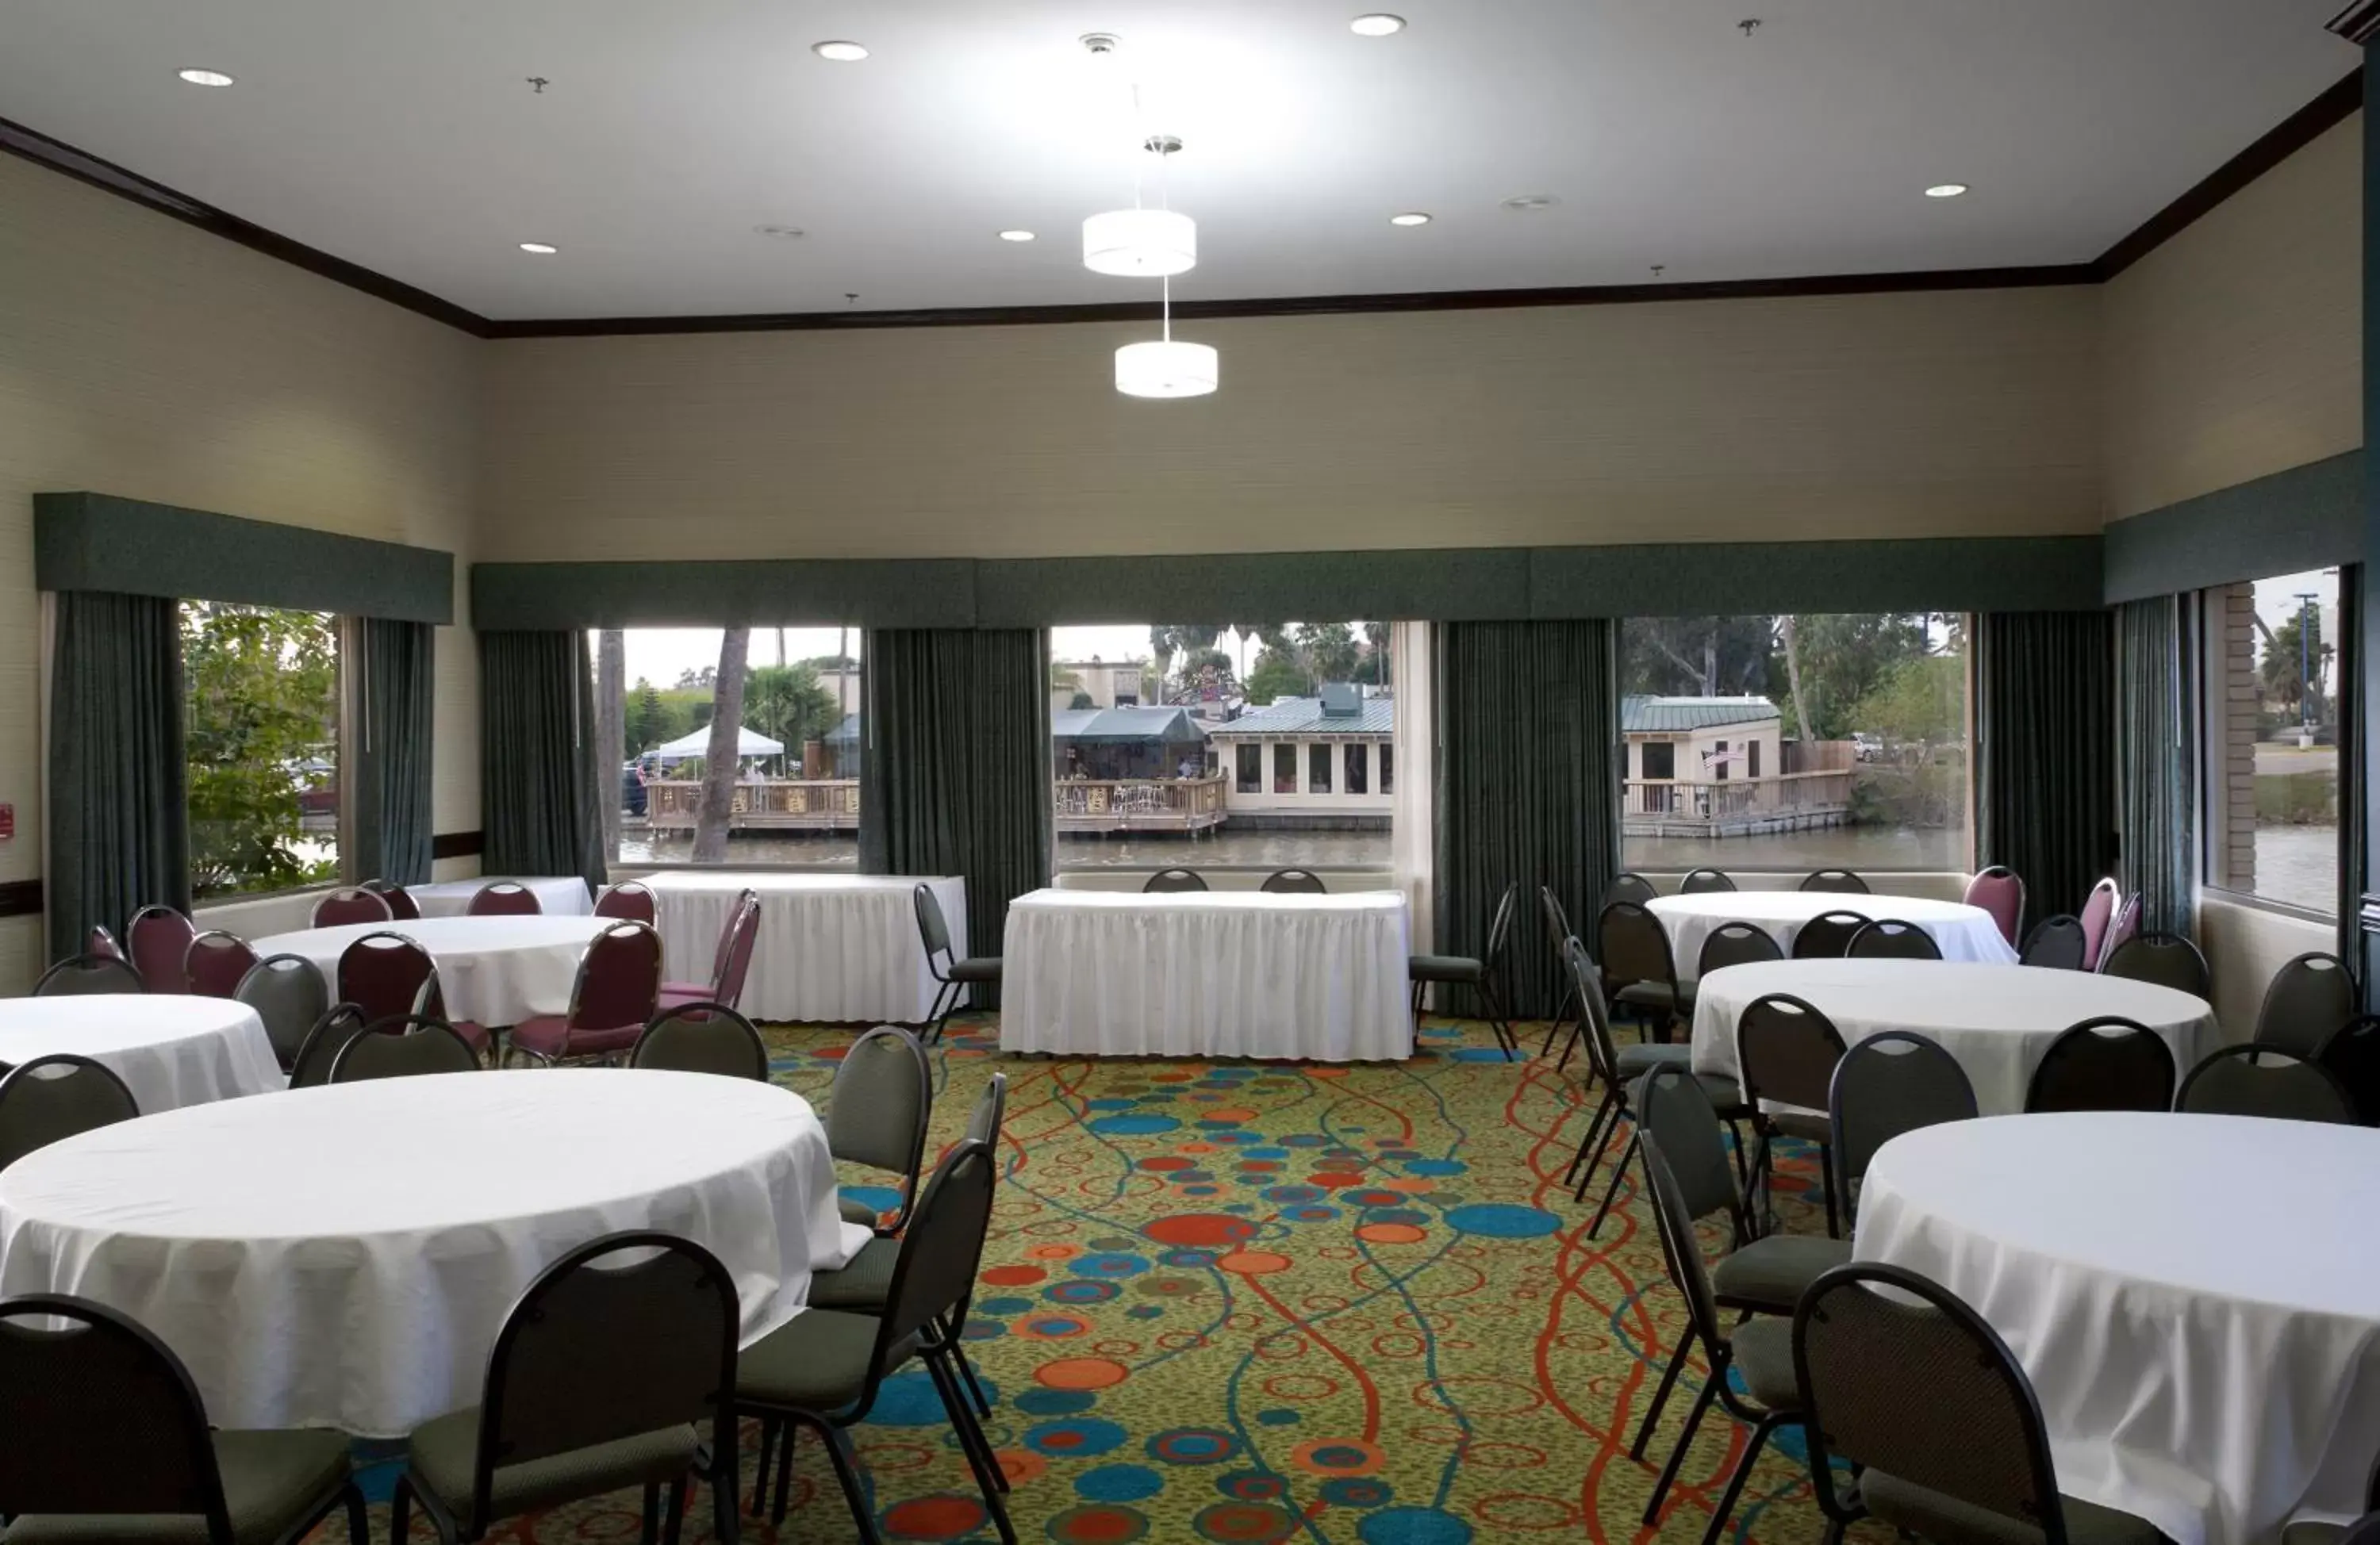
(2165, 959)
(2057, 943)
(1638, 970)
(1786, 1052)
(1294, 882)
(290, 996)
(50, 1098)
(876, 1111)
(406, 1046)
(2309, 997)
(702, 1038)
(2263, 1080)
(2109, 1062)
(1839, 882)
(2352, 1054)
(1827, 935)
(1484, 973)
(89, 977)
(1166, 880)
(1888, 938)
(1735, 944)
(324, 1040)
(1702, 882)
(1892, 1082)
(1630, 887)
(952, 974)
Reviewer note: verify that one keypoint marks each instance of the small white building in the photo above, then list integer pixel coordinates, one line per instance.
(1331, 755)
(1700, 740)
(1120, 685)
(1720, 766)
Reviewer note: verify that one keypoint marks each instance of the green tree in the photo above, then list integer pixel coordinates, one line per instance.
(1328, 651)
(786, 703)
(1699, 657)
(1081, 701)
(1920, 701)
(1277, 674)
(645, 720)
(1844, 658)
(262, 691)
(2282, 668)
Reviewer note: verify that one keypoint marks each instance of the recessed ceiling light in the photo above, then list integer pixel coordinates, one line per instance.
(1413, 217)
(841, 51)
(1376, 24)
(1945, 190)
(205, 77)
(1530, 202)
(1016, 236)
(542, 249)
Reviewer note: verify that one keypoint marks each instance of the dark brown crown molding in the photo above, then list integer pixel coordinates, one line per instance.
(2360, 23)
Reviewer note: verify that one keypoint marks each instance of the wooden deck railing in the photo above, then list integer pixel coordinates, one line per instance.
(806, 804)
(1737, 798)
(1138, 804)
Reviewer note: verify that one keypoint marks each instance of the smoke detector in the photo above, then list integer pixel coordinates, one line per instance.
(1099, 45)
(1528, 204)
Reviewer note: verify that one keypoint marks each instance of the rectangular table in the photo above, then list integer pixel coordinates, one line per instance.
(832, 948)
(1207, 973)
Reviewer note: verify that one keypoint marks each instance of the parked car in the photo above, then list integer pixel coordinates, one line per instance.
(631, 789)
(1866, 747)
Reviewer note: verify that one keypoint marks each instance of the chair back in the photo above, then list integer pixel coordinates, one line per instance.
(216, 963)
(2098, 911)
(324, 1040)
(1634, 946)
(1888, 938)
(1500, 927)
(1681, 1250)
(743, 934)
(288, 995)
(2104, 1063)
(1786, 1050)
(386, 975)
(1923, 1392)
(1998, 892)
(401, 907)
(628, 1334)
(351, 904)
(1631, 886)
(158, 938)
(1295, 882)
(89, 975)
(1892, 1082)
(54, 1097)
(504, 899)
(1173, 880)
(934, 1273)
(409, 1047)
(991, 1113)
(2056, 944)
(1736, 944)
(702, 1038)
(1700, 882)
(1671, 1107)
(1838, 881)
(630, 902)
(2123, 930)
(2165, 959)
(2352, 1054)
(619, 981)
(2309, 998)
(101, 1419)
(933, 930)
(1595, 1013)
(1827, 935)
(2260, 1080)
(103, 944)
(879, 1105)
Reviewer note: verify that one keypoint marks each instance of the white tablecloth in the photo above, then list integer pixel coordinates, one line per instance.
(493, 971)
(2194, 1297)
(1996, 1020)
(832, 948)
(342, 1256)
(1963, 933)
(558, 896)
(1207, 973)
(170, 1051)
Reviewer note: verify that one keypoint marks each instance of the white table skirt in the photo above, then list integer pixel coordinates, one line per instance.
(1212, 973)
(2192, 1297)
(832, 948)
(170, 1051)
(558, 895)
(492, 970)
(343, 1256)
(1961, 932)
(1997, 1020)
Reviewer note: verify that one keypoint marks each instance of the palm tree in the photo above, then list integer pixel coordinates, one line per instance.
(718, 798)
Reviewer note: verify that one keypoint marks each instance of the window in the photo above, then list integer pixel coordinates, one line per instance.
(1318, 768)
(1795, 743)
(2272, 744)
(262, 732)
(1284, 769)
(794, 800)
(1251, 770)
(1356, 772)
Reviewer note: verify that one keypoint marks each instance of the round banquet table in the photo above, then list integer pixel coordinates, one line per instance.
(1960, 932)
(170, 1050)
(342, 1256)
(491, 970)
(1998, 1021)
(557, 896)
(2191, 1296)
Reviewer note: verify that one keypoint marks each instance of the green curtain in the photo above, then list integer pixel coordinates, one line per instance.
(2157, 762)
(2352, 815)
(538, 779)
(1527, 788)
(119, 819)
(954, 777)
(391, 750)
(2044, 753)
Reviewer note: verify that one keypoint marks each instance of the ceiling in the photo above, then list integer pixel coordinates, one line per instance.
(405, 137)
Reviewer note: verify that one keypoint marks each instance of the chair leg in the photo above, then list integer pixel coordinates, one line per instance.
(1677, 1454)
(1562, 1018)
(1661, 1398)
(673, 1519)
(358, 1520)
(966, 1370)
(761, 1470)
(985, 1466)
(1619, 1173)
(1498, 1018)
(848, 1476)
(1594, 1128)
(651, 1531)
(1826, 1179)
(726, 1517)
(400, 1510)
(946, 1003)
(1726, 1508)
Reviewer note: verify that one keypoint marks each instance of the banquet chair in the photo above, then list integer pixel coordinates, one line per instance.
(386, 974)
(108, 1440)
(401, 907)
(1484, 974)
(158, 939)
(876, 1110)
(1758, 1352)
(1838, 881)
(504, 899)
(1736, 944)
(1934, 1410)
(2309, 998)
(89, 975)
(630, 902)
(2262, 1080)
(102, 943)
(1558, 931)
(1785, 1052)
(702, 1038)
(1827, 935)
(339, 1024)
(2164, 960)
(2056, 944)
(1999, 891)
(53, 1097)
(1888, 938)
(410, 1045)
(2352, 1054)
(731, 960)
(1638, 968)
(1631, 886)
(2108, 1063)
(216, 963)
(952, 976)
(615, 995)
(2364, 1531)
(1702, 882)
(2098, 911)
(1892, 1082)
(604, 1376)
(351, 904)
(2122, 931)
(290, 996)
(824, 1369)
(1173, 880)
(1294, 882)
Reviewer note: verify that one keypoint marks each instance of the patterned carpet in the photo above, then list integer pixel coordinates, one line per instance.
(1267, 1302)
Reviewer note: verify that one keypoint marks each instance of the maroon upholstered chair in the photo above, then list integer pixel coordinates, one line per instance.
(504, 899)
(2126, 928)
(216, 963)
(401, 907)
(619, 983)
(628, 901)
(386, 975)
(157, 939)
(103, 945)
(2097, 913)
(1998, 891)
(350, 904)
(729, 964)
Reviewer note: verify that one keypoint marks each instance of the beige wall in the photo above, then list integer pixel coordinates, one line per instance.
(2235, 349)
(143, 357)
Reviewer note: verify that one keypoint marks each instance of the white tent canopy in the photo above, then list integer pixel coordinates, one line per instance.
(688, 748)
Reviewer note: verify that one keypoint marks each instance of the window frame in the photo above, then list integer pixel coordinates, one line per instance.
(348, 692)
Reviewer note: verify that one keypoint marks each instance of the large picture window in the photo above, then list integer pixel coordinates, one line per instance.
(2272, 781)
(262, 727)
